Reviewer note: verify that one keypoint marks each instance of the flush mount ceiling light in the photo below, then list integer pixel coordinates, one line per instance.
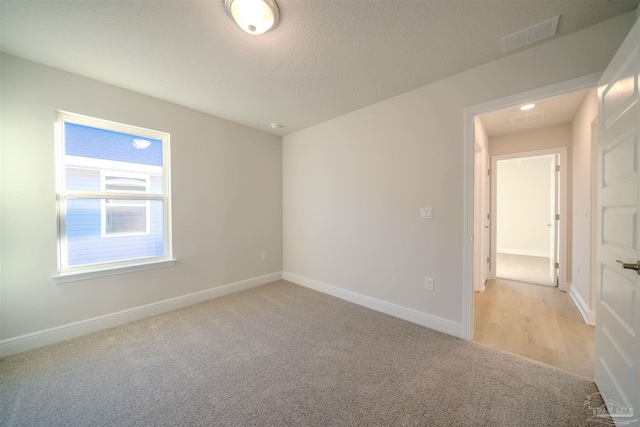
(527, 107)
(253, 16)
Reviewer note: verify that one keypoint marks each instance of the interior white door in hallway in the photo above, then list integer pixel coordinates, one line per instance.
(617, 357)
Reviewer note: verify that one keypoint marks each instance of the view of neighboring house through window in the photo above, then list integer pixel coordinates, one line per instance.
(113, 195)
(121, 217)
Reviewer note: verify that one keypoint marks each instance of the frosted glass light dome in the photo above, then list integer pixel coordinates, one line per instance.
(253, 16)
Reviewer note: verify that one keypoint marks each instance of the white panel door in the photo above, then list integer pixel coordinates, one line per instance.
(618, 289)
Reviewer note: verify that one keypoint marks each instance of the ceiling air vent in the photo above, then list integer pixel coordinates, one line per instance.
(530, 35)
(527, 118)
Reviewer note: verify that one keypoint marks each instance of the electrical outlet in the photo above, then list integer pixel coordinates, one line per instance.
(264, 256)
(428, 283)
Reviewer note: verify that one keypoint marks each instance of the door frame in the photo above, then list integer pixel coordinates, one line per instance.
(562, 88)
(562, 223)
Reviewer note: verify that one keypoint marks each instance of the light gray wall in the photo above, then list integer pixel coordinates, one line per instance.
(353, 185)
(523, 203)
(581, 277)
(226, 187)
(532, 140)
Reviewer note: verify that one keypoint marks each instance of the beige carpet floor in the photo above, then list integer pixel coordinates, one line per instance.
(281, 355)
(523, 268)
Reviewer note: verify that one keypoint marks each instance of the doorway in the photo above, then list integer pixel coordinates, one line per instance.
(524, 307)
(615, 371)
(473, 151)
(526, 206)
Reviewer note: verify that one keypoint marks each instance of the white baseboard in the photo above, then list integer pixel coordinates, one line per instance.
(414, 316)
(589, 316)
(526, 252)
(72, 330)
(482, 286)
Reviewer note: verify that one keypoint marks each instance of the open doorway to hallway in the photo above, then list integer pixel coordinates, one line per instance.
(527, 216)
(518, 308)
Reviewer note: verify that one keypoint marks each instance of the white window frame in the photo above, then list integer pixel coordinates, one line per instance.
(103, 203)
(68, 273)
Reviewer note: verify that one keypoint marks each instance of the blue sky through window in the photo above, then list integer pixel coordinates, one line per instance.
(86, 141)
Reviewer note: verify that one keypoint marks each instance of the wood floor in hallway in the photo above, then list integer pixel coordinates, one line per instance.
(534, 321)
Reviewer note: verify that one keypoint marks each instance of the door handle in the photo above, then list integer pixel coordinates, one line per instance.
(635, 266)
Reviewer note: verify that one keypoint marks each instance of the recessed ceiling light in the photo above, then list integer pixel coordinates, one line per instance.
(141, 144)
(527, 107)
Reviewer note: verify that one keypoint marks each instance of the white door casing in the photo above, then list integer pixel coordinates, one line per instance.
(478, 283)
(488, 263)
(481, 203)
(553, 222)
(556, 249)
(617, 347)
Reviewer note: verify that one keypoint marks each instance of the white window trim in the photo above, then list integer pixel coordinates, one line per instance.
(103, 204)
(76, 276)
(66, 273)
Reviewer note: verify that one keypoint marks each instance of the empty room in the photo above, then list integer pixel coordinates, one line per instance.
(262, 212)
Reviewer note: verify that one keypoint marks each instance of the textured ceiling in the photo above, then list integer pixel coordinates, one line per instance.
(324, 59)
(557, 111)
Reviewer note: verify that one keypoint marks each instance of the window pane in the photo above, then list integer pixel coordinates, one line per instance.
(125, 202)
(122, 219)
(80, 179)
(86, 243)
(89, 150)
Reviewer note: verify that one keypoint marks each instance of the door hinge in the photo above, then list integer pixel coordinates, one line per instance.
(557, 265)
(557, 217)
(557, 168)
(488, 260)
(488, 216)
(489, 172)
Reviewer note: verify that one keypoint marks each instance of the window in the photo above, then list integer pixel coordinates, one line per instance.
(113, 198)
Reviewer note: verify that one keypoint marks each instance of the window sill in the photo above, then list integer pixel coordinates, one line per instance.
(112, 271)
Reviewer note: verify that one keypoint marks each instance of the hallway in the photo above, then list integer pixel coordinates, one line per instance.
(537, 322)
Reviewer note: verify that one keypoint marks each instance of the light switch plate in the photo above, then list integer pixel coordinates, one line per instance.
(426, 213)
